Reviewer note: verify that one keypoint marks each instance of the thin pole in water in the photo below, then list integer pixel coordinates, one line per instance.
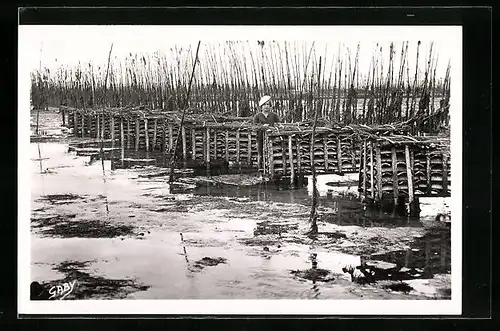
(314, 206)
(40, 158)
(172, 158)
(40, 90)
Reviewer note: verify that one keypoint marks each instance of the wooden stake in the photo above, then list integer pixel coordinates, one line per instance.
(409, 173)
(171, 137)
(299, 155)
(249, 147)
(122, 134)
(184, 143)
(215, 144)
(394, 175)
(325, 150)
(83, 125)
(372, 169)
(137, 132)
(146, 133)
(129, 133)
(155, 128)
(379, 172)
(207, 145)
(193, 143)
(164, 139)
(98, 126)
(75, 121)
(445, 175)
(112, 129)
(260, 149)
(283, 155)
(204, 144)
(365, 167)
(270, 155)
(290, 158)
(227, 145)
(428, 171)
(339, 155)
(238, 146)
(353, 155)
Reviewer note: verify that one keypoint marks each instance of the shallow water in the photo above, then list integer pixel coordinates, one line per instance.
(122, 231)
(95, 203)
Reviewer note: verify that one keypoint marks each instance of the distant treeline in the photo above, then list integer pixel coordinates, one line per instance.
(231, 77)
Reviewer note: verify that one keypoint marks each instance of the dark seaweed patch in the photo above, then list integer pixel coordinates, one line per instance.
(60, 226)
(88, 286)
(266, 227)
(209, 262)
(321, 275)
(399, 287)
(60, 198)
(40, 222)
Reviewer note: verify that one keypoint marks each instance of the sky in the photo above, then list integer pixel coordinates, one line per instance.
(56, 45)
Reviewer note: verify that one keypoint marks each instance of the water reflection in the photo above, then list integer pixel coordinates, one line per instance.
(426, 256)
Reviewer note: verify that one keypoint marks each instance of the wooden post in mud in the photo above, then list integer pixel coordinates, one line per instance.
(379, 172)
(227, 145)
(409, 174)
(299, 155)
(98, 126)
(83, 125)
(75, 121)
(372, 169)
(353, 155)
(164, 137)
(445, 175)
(129, 133)
(264, 161)
(204, 143)
(249, 147)
(238, 146)
(155, 133)
(63, 114)
(207, 129)
(325, 151)
(290, 158)
(170, 137)
(215, 143)
(428, 171)
(112, 129)
(137, 132)
(394, 175)
(270, 156)
(339, 154)
(146, 133)
(207, 145)
(103, 126)
(122, 134)
(184, 143)
(283, 155)
(365, 167)
(193, 144)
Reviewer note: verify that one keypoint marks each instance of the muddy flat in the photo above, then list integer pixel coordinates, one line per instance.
(126, 233)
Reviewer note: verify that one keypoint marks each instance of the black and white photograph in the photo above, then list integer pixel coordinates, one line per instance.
(240, 169)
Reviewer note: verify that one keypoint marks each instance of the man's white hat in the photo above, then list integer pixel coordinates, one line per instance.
(264, 99)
